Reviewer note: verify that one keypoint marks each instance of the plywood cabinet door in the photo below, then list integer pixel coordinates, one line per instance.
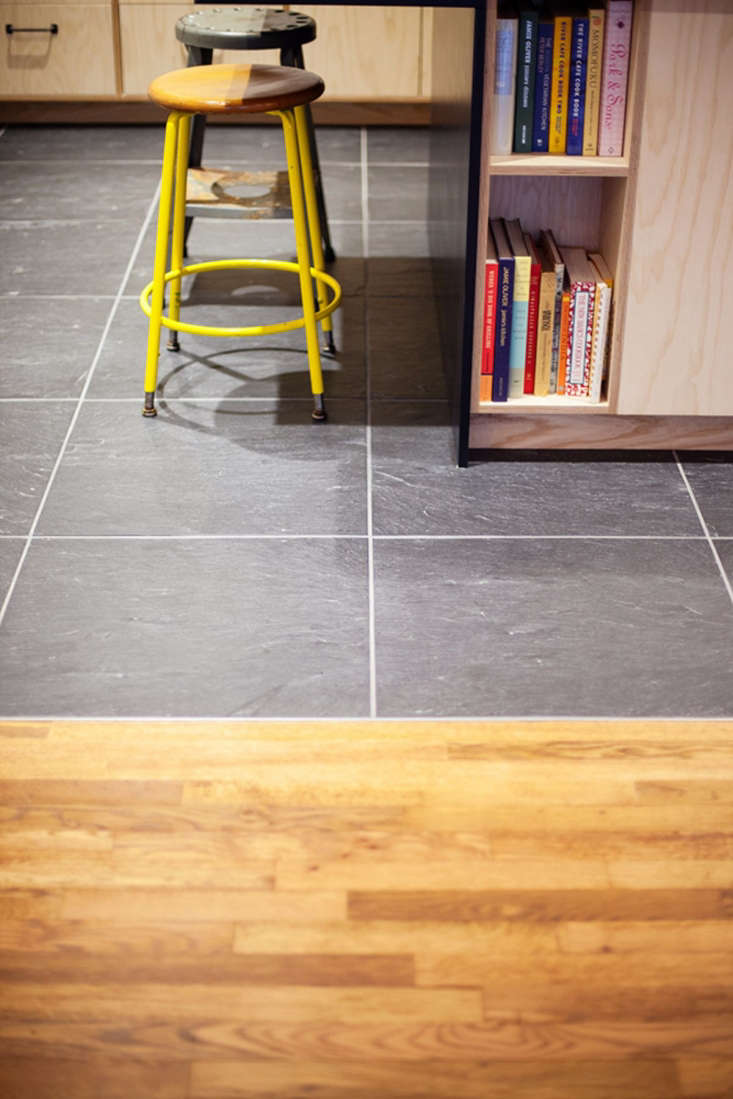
(676, 357)
(372, 53)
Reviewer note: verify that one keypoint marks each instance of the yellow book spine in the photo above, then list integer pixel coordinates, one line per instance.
(559, 86)
(545, 324)
(596, 20)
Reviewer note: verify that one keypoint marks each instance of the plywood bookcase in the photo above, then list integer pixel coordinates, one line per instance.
(662, 216)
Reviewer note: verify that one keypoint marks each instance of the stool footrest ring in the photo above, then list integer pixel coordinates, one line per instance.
(251, 330)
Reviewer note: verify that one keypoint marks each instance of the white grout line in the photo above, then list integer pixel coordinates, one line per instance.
(77, 410)
(374, 537)
(191, 537)
(703, 524)
(370, 515)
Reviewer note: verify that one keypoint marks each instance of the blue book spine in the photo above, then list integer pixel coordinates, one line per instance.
(503, 338)
(576, 101)
(542, 86)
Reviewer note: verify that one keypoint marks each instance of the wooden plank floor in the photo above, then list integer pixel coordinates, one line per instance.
(507, 910)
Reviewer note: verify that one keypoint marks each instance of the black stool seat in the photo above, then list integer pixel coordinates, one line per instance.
(245, 28)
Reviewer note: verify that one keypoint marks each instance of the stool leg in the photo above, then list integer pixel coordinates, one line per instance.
(293, 56)
(161, 253)
(196, 55)
(314, 228)
(179, 219)
(304, 263)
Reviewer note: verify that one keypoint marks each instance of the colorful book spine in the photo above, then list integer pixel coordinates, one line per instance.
(576, 97)
(504, 301)
(601, 325)
(596, 20)
(542, 87)
(545, 325)
(614, 79)
(580, 338)
(526, 63)
(560, 77)
(563, 333)
(505, 74)
(520, 307)
(491, 270)
(530, 359)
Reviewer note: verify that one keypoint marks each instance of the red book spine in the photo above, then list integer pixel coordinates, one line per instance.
(491, 270)
(532, 316)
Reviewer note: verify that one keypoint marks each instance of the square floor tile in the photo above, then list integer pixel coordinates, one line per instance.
(398, 193)
(83, 143)
(211, 468)
(185, 629)
(32, 433)
(403, 348)
(60, 189)
(711, 478)
(402, 144)
(49, 344)
(550, 628)
(245, 366)
(66, 257)
(419, 490)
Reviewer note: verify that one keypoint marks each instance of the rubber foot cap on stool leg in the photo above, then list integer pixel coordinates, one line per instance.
(318, 415)
(149, 408)
(330, 346)
(173, 344)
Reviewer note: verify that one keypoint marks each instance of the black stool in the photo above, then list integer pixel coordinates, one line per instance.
(248, 28)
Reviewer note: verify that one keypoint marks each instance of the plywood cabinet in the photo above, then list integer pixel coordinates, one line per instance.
(662, 215)
(78, 59)
(676, 350)
(392, 71)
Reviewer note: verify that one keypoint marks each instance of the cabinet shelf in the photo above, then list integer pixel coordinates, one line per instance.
(554, 403)
(542, 164)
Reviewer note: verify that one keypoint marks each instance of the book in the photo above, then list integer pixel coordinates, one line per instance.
(559, 89)
(563, 337)
(491, 272)
(504, 302)
(601, 324)
(526, 62)
(582, 279)
(520, 306)
(548, 248)
(614, 78)
(576, 91)
(535, 270)
(542, 86)
(505, 76)
(596, 20)
(545, 322)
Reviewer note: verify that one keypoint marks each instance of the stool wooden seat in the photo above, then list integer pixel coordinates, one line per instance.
(235, 89)
(238, 89)
(245, 28)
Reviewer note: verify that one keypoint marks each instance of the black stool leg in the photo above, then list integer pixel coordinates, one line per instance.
(293, 56)
(197, 55)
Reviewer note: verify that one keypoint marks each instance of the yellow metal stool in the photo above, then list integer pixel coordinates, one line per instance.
(238, 89)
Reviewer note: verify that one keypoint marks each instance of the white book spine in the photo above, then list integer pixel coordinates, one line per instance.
(603, 305)
(505, 74)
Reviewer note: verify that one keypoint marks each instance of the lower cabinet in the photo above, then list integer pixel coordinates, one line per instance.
(63, 50)
(372, 53)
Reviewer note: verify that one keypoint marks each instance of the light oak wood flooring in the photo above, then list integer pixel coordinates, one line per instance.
(366, 910)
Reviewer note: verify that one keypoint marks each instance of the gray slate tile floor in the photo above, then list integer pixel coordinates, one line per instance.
(230, 559)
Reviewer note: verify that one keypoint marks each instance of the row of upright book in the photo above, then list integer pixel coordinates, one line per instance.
(547, 314)
(561, 78)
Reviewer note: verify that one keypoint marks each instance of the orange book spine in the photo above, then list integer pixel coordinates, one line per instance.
(562, 365)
